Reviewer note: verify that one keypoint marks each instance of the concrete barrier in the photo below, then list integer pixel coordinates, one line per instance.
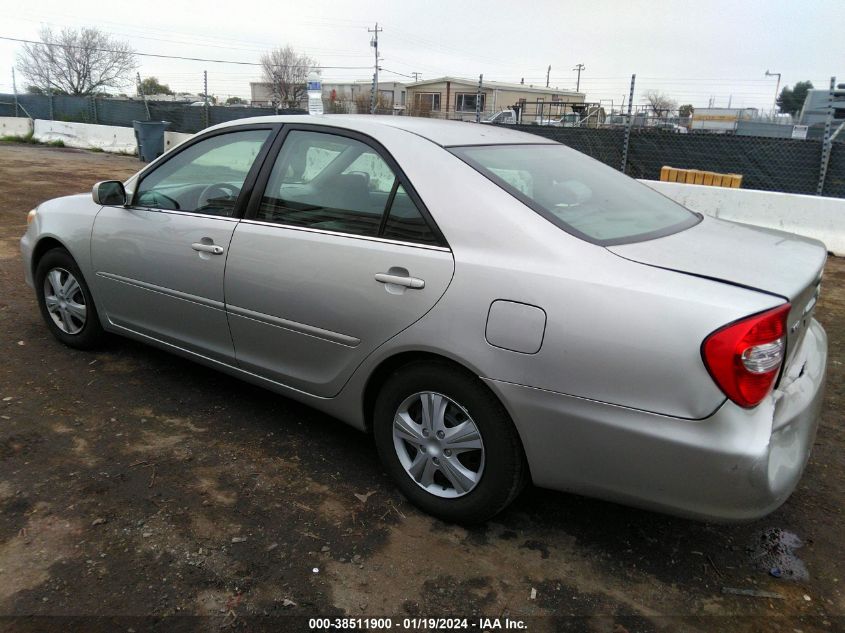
(812, 216)
(172, 139)
(15, 126)
(108, 138)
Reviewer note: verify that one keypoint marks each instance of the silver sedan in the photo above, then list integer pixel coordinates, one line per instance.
(495, 308)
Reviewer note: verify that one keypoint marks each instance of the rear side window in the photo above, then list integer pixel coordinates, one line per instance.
(580, 195)
(334, 183)
(405, 223)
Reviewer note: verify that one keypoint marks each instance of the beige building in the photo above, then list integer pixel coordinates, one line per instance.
(342, 96)
(455, 98)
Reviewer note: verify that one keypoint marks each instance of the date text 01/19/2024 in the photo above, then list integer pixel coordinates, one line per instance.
(418, 624)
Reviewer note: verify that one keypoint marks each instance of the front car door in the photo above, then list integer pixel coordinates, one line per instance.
(159, 263)
(337, 254)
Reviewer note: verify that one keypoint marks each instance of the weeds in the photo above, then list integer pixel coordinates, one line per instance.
(19, 138)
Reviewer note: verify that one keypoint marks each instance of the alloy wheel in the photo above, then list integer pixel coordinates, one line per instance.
(65, 301)
(438, 444)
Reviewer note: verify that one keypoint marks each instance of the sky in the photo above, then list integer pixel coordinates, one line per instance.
(693, 51)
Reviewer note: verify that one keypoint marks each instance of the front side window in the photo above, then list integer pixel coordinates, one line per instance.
(334, 183)
(465, 102)
(206, 177)
(580, 195)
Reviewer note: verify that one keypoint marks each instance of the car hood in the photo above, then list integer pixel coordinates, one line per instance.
(779, 263)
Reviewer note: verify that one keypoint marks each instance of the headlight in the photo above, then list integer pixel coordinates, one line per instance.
(30, 217)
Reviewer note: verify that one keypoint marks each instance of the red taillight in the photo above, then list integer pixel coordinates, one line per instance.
(744, 358)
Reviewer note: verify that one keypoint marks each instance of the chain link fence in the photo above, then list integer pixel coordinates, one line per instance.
(183, 117)
(770, 164)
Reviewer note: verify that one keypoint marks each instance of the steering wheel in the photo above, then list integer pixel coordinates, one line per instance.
(216, 193)
(153, 199)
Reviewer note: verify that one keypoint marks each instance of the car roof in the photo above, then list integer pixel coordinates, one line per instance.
(444, 133)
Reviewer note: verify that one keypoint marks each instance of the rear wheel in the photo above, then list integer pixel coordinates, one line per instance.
(448, 443)
(65, 301)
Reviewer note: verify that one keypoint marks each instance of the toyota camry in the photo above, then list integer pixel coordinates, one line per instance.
(493, 307)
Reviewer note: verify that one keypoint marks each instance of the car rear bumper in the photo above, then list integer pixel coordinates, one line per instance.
(737, 464)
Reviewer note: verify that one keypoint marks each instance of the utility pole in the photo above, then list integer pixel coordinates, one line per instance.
(827, 142)
(579, 68)
(478, 99)
(15, 90)
(205, 95)
(777, 90)
(416, 76)
(629, 123)
(50, 91)
(143, 96)
(548, 72)
(374, 44)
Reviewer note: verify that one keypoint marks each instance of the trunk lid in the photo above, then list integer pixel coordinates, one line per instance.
(778, 263)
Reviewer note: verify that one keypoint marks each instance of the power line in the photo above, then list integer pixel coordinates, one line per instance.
(191, 40)
(411, 76)
(190, 59)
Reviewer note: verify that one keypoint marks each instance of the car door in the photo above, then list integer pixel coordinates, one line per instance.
(159, 263)
(337, 254)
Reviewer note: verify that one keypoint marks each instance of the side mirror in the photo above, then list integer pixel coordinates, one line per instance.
(109, 193)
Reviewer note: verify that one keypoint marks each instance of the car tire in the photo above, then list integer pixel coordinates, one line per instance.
(67, 307)
(486, 480)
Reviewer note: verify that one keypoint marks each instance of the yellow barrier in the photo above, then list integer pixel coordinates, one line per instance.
(698, 177)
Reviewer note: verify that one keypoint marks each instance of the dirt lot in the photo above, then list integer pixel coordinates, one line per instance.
(136, 484)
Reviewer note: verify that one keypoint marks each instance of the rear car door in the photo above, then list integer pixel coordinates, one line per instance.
(337, 254)
(159, 263)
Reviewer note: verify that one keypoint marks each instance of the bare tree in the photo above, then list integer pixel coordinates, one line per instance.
(659, 102)
(77, 61)
(287, 71)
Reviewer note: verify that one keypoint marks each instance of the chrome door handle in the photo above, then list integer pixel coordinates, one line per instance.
(207, 248)
(408, 282)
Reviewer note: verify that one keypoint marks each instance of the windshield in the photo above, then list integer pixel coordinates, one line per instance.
(580, 195)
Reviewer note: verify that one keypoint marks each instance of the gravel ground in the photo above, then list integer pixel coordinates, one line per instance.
(139, 490)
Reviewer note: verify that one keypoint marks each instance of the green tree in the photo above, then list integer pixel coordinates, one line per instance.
(791, 100)
(235, 101)
(151, 86)
(686, 110)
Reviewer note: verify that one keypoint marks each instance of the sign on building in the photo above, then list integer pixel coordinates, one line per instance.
(799, 131)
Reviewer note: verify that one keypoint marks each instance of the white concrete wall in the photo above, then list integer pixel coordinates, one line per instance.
(812, 216)
(15, 126)
(172, 139)
(108, 138)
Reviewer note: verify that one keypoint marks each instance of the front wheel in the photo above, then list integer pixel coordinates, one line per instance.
(65, 301)
(448, 443)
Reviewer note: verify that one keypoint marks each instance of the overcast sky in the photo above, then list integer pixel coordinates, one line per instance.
(691, 50)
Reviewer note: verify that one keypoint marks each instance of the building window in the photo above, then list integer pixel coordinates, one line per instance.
(465, 101)
(429, 101)
(385, 98)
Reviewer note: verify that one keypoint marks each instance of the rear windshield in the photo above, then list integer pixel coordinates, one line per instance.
(580, 195)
